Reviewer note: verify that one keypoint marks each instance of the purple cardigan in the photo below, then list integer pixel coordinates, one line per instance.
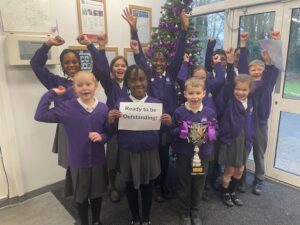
(82, 153)
(135, 141)
(163, 88)
(182, 145)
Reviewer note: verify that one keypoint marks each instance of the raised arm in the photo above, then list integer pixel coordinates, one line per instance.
(38, 62)
(243, 60)
(208, 55)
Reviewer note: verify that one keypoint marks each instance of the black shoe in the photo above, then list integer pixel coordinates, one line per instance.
(227, 199)
(166, 193)
(114, 195)
(146, 223)
(135, 223)
(257, 188)
(236, 200)
(185, 220)
(242, 186)
(158, 197)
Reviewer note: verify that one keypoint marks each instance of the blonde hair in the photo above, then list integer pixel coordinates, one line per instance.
(256, 62)
(85, 73)
(194, 82)
(245, 78)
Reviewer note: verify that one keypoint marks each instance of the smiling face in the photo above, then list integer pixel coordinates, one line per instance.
(85, 86)
(159, 63)
(242, 90)
(118, 69)
(194, 95)
(256, 71)
(70, 64)
(137, 83)
(200, 73)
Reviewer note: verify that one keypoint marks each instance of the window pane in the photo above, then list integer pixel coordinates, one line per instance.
(259, 26)
(292, 74)
(204, 2)
(209, 26)
(288, 143)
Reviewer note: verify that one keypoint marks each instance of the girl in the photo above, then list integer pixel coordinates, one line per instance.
(112, 80)
(162, 78)
(84, 119)
(138, 153)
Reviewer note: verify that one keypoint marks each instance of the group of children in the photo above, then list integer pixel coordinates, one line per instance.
(240, 104)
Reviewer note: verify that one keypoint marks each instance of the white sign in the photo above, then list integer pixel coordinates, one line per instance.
(140, 116)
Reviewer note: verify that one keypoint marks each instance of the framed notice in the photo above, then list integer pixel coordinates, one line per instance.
(92, 17)
(86, 58)
(144, 22)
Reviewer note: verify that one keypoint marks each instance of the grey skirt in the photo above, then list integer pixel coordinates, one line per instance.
(112, 153)
(89, 182)
(235, 154)
(60, 146)
(139, 167)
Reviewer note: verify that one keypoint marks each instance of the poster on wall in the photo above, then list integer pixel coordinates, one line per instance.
(144, 22)
(92, 17)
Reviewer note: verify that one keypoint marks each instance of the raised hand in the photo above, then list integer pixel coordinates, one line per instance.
(186, 57)
(113, 115)
(83, 39)
(134, 45)
(94, 136)
(230, 55)
(60, 90)
(266, 57)
(275, 35)
(243, 39)
(130, 18)
(166, 119)
(56, 41)
(102, 40)
(184, 20)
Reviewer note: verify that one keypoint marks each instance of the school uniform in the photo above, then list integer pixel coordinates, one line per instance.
(85, 158)
(189, 187)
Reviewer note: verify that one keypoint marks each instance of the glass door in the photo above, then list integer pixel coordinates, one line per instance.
(282, 159)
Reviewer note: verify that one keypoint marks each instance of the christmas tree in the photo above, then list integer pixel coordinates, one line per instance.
(164, 37)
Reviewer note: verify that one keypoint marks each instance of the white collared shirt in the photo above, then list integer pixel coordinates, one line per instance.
(245, 103)
(138, 100)
(121, 84)
(186, 105)
(163, 75)
(86, 107)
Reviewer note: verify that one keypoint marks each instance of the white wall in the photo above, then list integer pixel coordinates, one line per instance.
(26, 144)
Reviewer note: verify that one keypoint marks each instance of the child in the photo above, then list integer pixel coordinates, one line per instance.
(112, 80)
(189, 187)
(84, 119)
(139, 158)
(263, 99)
(162, 86)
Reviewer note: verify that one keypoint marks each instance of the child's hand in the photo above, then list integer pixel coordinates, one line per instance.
(56, 41)
(243, 39)
(230, 55)
(166, 119)
(212, 42)
(113, 115)
(94, 136)
(130, 18)
(102, 40)
(216, 59)
(184, 19)
(275, 35)
(186, 57)
(83, 39)
(134, 45)
(266, 57)
(60, 90)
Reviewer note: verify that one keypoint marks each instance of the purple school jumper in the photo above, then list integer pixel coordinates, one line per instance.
(262, 97)
(111, 87)
(163, 87)
(182, 146)
(136, 141)
(82, 152)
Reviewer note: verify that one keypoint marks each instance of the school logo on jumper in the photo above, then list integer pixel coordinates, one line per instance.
(251, 111)
(204, 120)
(168, 81)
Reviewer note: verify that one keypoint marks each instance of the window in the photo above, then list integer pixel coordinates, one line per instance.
(197, 3)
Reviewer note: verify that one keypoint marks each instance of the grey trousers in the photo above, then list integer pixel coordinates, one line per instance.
(259, 150)
(189, 187)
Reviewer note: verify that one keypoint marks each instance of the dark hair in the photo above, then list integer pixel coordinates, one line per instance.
(219, 52)
(114, 60)
(66, 51)
(164, 53)
(132, 70)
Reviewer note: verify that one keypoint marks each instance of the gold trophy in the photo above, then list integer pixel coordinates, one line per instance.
(196, 134)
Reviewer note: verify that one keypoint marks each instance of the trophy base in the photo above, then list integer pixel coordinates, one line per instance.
(198, 171)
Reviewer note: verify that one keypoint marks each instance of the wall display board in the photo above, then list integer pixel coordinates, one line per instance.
(92, 17)
(23, 15)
